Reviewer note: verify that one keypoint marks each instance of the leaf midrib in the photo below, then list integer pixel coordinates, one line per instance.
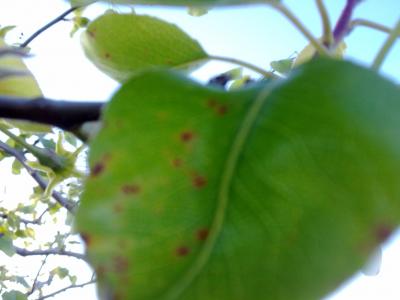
(223, 196)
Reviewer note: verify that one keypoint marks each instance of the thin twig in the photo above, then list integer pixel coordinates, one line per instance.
(326, 23)
(24, 252)
(244, 64)
(300, 26)
(73, 286)
(47, 26)
(37, 276)
(369, 24)
(380, 57)
(35, 175)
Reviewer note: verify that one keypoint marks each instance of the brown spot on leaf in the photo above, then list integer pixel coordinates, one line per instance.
(187, 136)
(383, 232)
(199, 181)
(130, 189)
(177, 162)
(118, 207)
(97, 169)
(182, 251)
(121, 264)
(211, 103)
(101, 271)
(92, 33)
(202, 234)
(107, 55)
(222, 110)
(86, 238)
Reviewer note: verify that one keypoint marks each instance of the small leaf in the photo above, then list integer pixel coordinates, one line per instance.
(16, 167)
(137, 43)
(197, 11)
(6, 245)
(282, 66)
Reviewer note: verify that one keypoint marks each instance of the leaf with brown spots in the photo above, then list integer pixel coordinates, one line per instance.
(138, 43)
(284, 197)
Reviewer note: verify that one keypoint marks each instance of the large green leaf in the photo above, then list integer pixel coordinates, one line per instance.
(14, 295)
(271, 192)
(123, 44)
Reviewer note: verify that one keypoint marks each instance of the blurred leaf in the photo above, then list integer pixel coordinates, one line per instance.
(282, 66)
(309, 52)
(276, 191)
(16, 167)
(6, 245)
(60, 272)
(197, 11)
(137, 43)
(189, 3)
(21, 280)
(14, 295)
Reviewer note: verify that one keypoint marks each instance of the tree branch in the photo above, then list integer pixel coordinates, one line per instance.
(73, 286)
(67, 115)
(343, 24)
(24, 252)
(47, 26)
(70, 206)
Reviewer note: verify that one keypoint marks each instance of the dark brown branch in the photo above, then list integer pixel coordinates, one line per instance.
(70, 206)
(24, 252)
(73, 286)
(48, 25)
(68, 115)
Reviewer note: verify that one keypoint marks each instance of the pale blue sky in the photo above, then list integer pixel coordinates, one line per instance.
(256, 34)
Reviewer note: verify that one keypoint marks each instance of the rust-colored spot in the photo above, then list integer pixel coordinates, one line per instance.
(130, 189)
(211, 103)
(202, 234)
(121, 264)
(101, 271)
(107, 55)
(199, 181)
(222, 110)
(182, 251)
(86, 238)
(118, 207)
(186, 136)
(177, 162)
(92, 34)
(97, 169)
(383, 232)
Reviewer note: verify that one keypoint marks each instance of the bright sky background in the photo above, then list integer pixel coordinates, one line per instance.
(255, 34)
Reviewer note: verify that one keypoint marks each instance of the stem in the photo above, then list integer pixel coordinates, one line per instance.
(24, 252)
(70, 206)
(47, 26)
(369, 24)
(67, 288)
(297, 23)
(343, 24)
(243, 64)
(37, 276)
(380, 57)
(326, 23)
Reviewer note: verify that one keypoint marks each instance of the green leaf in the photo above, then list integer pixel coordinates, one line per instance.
(282, 66)
(14, 295)
(123, 44)
(6, 245)
(60, 272)
(20, 86)
(278, 191)
(16, 167)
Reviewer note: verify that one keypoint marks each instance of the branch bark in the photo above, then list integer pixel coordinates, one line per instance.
(68, 115)
(24, 252)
